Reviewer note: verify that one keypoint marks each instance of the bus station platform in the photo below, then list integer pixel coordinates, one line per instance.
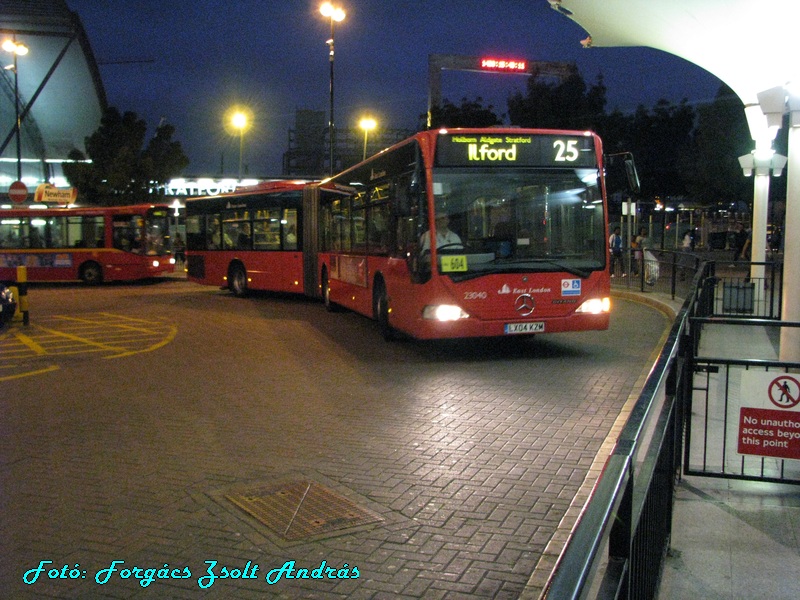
(731, 539)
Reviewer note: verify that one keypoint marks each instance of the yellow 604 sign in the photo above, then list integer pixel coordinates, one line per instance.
(454, 264)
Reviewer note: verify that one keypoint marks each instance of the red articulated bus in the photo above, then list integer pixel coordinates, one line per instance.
(247, 240)
(119, 243)
(448, 234)
(519, 218)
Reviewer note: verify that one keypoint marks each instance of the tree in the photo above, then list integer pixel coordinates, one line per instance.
(564, 104)
(722, 135)
(661, 140)
(121, 171)
(163, 158)
(471, 113)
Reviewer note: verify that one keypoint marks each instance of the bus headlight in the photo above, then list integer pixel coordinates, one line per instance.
(443, 312)
(156, 263)
(595, 306)
(172, 260)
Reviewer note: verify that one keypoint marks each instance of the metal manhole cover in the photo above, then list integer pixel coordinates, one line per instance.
(300, 509)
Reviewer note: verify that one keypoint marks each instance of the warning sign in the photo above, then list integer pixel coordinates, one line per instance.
(769, 433)
(784, 391)
(769, 417)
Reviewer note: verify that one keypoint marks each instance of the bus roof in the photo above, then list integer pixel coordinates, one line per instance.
(259, 188)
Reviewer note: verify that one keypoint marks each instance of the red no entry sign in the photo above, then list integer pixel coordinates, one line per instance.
(18, 192)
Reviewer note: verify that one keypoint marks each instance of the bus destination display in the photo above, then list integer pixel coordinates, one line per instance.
(524, 150)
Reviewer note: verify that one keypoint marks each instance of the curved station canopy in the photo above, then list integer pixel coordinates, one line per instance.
(751, 45)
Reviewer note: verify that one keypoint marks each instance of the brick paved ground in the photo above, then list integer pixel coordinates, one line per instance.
(470, 452)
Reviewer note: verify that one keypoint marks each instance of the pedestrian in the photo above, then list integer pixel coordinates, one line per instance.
(638, 253)
(615, 249)
(179, 248)
(739, 242)
(686, 243)
(775, 241)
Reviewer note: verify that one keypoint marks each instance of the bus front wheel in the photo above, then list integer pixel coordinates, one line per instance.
(91, 273)
(237, 281)
(381, 311)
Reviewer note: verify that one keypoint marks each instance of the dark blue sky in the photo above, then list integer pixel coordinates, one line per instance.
(208, 55)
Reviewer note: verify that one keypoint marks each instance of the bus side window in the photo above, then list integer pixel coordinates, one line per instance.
(378, 224)
(195, 238)
(35, 238)
(289, 229)
(213, 233)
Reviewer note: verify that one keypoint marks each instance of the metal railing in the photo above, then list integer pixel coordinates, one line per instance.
(746, 289)
(618, 546)
(724, 372)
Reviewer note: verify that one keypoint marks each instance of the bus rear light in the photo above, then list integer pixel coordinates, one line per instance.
(595, 306)
(443, 312)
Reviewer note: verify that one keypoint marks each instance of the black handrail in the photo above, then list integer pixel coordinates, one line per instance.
(630, 509)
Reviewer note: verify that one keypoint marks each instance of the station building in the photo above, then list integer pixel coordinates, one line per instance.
(54, 90)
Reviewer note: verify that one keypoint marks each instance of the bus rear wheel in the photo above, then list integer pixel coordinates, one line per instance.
(91, 273)
(380, 309)
(237, 281)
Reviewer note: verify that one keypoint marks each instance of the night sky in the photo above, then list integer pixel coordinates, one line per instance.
(189, 62)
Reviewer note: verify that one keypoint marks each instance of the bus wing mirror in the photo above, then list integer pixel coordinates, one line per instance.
(621, 173)
(633, 176)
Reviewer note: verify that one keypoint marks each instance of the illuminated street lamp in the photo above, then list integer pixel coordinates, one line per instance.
(239, 121)
(335, 14)
(16, 50)
(367, 124)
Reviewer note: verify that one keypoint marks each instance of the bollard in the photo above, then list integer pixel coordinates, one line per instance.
(22, 285)
(15, 291)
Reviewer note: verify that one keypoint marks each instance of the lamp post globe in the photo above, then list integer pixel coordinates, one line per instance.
(367, 124)
(239, 121)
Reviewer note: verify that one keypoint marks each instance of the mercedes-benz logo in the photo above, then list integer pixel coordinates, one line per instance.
(524, 304)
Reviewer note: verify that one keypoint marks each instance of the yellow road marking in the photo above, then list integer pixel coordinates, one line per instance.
(170, 336)
(129, 332)
(29, 373)
(129, 318)
(30, 343)
(82, 340)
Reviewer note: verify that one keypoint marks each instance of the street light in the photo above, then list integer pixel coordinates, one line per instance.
(239, 121)
(16, 50)
(335, 14)
(367, 124)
